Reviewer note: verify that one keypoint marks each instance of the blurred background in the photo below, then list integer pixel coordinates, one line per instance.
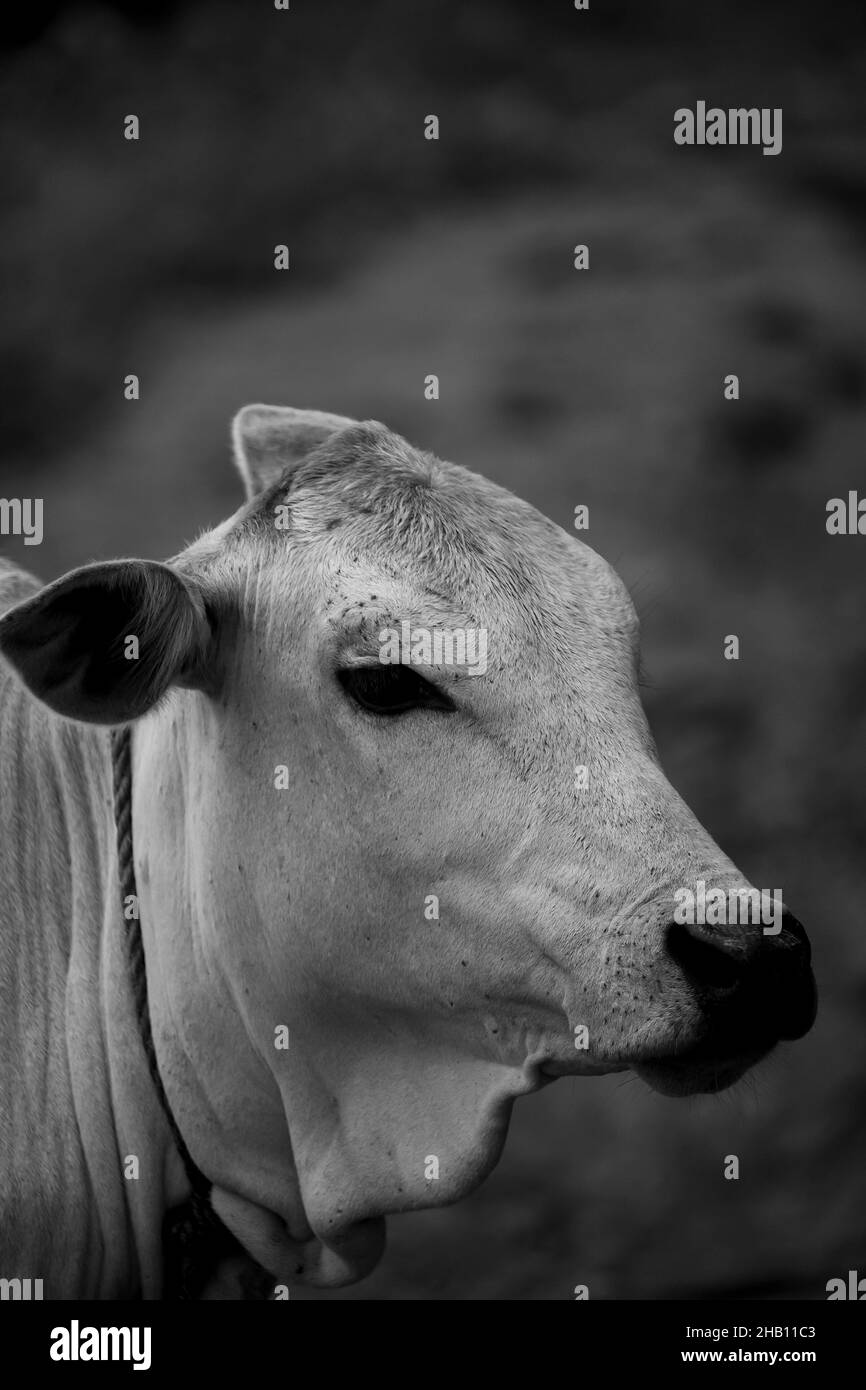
(602, 387)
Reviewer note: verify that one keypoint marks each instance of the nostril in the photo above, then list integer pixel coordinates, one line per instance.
(704, 963)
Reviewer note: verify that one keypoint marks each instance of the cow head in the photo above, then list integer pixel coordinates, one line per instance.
(381, 899)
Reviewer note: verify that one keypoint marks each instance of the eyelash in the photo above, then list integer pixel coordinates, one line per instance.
(388, 691)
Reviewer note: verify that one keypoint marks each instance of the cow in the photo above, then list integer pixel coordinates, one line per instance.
(376, 905)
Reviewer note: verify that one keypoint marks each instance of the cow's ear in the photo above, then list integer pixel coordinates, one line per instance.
(270, 439)
(104, 643)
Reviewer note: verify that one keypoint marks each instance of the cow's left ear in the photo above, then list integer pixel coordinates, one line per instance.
(104, 643)
(270, 439)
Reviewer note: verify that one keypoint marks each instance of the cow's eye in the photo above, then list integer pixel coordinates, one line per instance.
(392, 689)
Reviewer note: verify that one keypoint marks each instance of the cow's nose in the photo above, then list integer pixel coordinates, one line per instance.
(766, 979)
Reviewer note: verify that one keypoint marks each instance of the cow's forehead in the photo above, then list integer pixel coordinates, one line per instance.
(372, 512)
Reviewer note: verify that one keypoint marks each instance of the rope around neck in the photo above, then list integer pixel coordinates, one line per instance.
(194, 1239)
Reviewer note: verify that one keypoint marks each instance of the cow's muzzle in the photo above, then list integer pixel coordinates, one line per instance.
(752, 991)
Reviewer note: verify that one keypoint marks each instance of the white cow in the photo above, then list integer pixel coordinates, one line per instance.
(375, 905)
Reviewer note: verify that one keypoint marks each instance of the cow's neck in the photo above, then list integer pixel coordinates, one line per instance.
(201, 933)
(85, 1213)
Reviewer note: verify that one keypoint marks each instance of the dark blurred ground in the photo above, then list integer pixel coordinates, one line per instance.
(410, 257)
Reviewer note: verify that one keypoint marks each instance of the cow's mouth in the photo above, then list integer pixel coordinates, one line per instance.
(707, 1064)
(696, 1073)
(714, 1060)
(699, 1070)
